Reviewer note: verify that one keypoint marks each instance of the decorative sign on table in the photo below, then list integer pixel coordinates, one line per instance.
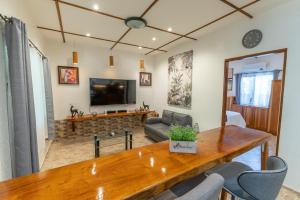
(180, 79)
(68, 75)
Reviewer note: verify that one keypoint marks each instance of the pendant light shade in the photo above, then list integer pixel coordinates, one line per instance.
(111, 61)
(142, 64)
(75, 57)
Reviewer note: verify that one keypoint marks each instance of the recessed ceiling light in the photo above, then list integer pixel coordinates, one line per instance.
(88, 34)
(140, 47)
(154, 38)
(169, 29)
(96, 7)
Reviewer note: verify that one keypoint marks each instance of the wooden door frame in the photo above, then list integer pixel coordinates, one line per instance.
(226, 66)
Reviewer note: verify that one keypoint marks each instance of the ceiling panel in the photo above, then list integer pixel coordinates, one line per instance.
(78, 41)
(240, 3)
(121, 8)
(144, 37)
(184, 16)
(44, 13)
(52, 36)
(123, 47)
(262, 6)
(78, 21)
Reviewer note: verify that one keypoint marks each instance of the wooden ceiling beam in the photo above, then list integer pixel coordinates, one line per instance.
(123, 19)
(210, 23)
(97, 38)
(60, 20)
(129, 29)
(90, 10)
(159, 29)
(237, 8)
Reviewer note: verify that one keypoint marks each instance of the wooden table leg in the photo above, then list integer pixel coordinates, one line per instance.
(223, 195)
(264, 155)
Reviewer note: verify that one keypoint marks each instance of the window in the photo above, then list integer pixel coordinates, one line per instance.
(256, 88)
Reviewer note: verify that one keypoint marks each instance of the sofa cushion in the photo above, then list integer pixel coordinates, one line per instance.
(167, 117)
(158, 129)
(182, 119)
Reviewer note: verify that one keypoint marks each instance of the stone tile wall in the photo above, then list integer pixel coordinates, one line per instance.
(100, 125)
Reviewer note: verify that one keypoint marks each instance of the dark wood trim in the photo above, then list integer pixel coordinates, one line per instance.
(90, 10)
(285, 51)
(122, 36)
(60, 20)
(210, 23)
(97, 38)
(120, 18)
(257, 54)
(129, 29)
(163, 45)
(237, 8)
(68, 67)
(149, 7)
(166, 31)
(226, 65)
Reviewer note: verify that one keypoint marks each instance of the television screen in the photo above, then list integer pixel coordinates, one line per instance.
(112, 91)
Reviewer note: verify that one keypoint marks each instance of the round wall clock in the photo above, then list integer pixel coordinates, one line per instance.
(252, 38)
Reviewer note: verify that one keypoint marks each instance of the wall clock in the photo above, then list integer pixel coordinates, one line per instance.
(252, 38)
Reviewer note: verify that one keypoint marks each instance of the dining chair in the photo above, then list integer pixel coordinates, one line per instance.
(209, 189)
(242, 182)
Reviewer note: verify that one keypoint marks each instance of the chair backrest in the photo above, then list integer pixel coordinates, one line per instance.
(209, 189)
(266, 184)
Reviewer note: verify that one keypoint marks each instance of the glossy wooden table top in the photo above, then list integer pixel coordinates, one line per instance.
(134, 174)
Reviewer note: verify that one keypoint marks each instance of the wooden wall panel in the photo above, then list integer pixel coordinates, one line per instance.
(274, 112)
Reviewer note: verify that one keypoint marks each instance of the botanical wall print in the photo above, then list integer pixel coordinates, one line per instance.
(180, 79)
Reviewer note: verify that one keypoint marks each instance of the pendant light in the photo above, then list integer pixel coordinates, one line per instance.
(75, 55)
(142, 64)
(75, 58)
(111, 62)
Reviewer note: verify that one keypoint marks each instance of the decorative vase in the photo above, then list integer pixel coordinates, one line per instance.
(183, 146)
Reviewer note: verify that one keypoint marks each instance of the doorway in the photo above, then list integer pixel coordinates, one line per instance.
(253, 92)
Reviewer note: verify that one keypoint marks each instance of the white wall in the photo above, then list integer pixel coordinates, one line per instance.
(281, 29)
(19, 9)
(93, 63)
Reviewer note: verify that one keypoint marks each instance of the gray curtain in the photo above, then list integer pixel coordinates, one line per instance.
(49, 99)
(238, 78)
(24, 150)
(276, 74)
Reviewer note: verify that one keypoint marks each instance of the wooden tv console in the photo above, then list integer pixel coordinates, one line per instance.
(110, 115)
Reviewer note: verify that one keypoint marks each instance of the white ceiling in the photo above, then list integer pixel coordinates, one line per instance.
(182, 15)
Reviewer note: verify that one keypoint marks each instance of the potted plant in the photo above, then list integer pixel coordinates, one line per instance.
(182, 139)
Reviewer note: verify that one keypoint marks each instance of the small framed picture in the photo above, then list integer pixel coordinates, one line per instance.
(145, 79)
(230, 73)
(229, 85)
(68, 75)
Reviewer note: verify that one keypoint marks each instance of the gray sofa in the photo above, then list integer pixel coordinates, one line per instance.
(157, 128)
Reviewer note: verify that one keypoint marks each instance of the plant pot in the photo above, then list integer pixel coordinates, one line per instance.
(183, 146)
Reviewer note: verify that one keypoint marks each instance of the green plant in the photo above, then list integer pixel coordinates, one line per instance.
(180, 133)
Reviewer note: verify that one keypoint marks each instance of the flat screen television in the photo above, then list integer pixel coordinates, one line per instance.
(112, 91)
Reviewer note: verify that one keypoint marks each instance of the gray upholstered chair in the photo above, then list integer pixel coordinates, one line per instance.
(209, 189)
(244, 183)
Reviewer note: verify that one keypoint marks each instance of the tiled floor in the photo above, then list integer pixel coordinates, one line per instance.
(67, 151)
